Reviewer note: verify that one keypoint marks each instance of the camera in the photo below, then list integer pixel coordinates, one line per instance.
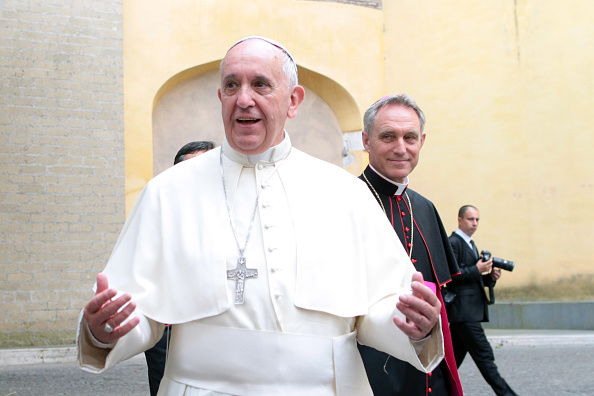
(497, 262)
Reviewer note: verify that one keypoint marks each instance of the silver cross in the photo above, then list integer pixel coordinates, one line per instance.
(240, 274)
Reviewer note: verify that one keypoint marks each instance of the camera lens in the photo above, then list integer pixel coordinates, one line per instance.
(503, 264)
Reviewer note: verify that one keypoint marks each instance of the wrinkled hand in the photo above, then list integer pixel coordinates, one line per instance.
(421, 309)
(102, 309)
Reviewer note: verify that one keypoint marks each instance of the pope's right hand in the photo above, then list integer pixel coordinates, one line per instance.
(102, 310)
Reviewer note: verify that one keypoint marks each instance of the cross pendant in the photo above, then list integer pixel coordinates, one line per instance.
(240, 274)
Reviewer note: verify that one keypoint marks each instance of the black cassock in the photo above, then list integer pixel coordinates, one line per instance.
(432, 255)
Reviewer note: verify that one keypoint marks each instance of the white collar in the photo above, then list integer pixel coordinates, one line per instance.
(272, 155)
(464, 236)
(401, 186)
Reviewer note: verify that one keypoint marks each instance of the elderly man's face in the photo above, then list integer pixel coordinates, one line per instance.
(256, 100)
(395, 142)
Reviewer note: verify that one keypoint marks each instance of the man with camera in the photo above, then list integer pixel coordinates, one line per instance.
(469, 306)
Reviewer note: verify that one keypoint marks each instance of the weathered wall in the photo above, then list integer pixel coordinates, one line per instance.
(61, 161)
(506, 87)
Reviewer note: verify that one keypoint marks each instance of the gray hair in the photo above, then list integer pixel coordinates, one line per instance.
(289, 65)
(403, 99)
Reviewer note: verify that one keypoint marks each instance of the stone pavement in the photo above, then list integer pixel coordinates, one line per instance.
(542, 363)
(533, 362)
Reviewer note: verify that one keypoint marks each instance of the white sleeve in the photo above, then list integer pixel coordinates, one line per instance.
(96, 357)
(377, 330)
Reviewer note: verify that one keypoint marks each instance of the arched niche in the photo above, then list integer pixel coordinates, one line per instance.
(187, 108)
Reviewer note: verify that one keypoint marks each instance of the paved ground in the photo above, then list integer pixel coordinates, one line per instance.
(533, 364)
(536, 370)
(49, 379)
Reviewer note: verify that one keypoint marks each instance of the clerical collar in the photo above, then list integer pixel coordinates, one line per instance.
(464, 236)
(385, 185)
(272, 155)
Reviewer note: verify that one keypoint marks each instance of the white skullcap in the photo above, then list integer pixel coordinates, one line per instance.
(270, 41)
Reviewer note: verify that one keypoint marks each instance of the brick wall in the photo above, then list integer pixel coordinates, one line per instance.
(61, 161)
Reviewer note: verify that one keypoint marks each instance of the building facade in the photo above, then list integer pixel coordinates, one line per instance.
(96, 96)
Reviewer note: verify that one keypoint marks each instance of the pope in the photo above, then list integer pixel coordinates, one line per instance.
(269, 264)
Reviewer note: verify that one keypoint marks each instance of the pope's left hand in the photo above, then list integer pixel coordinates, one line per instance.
(421, 309)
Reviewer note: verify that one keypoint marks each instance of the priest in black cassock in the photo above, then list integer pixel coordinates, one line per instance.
(393, 137)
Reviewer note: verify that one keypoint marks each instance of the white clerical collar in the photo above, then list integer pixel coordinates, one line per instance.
(401, 186)
(464, 236)
(272, 155)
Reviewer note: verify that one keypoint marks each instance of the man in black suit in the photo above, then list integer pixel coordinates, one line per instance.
(469, 307)
(393, 137)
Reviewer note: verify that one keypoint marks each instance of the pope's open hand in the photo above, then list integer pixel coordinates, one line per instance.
(105, 316)
(421, 309)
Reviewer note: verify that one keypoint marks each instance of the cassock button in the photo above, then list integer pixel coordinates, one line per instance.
(260, 166)
(409, 244)
(407, 229)
(429, 390)
(430, 374)
(398, 198)
(414, 261)
(402, 214)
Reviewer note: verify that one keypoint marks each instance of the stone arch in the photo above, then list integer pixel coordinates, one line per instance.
(187, 108)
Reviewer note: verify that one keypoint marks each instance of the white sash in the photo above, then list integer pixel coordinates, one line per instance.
(251, 362)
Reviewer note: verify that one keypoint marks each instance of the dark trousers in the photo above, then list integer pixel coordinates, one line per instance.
(155, 360)
(469, 337)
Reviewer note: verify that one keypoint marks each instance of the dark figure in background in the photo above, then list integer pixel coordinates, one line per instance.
(192, 149)
(469, 307)
(155, 361)
(393, 137)
(157, 355)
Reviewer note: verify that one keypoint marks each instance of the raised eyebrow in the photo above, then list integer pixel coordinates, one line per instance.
(229, 77)
(386, 132)
(233, 76)
(264, 78)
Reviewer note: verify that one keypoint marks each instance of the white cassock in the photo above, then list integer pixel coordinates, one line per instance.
(330, 270)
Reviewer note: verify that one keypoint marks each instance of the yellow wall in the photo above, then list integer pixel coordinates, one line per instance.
(507, 89)
(164, 38)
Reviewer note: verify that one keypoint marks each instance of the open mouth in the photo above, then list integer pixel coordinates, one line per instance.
(247, 121)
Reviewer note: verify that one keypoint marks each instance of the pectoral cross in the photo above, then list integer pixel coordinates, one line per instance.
(240, 274)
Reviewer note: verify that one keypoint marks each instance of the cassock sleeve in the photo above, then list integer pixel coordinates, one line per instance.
(94, 359)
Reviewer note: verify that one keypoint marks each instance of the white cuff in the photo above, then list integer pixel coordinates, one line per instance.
(419, 345)
(96, 342)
